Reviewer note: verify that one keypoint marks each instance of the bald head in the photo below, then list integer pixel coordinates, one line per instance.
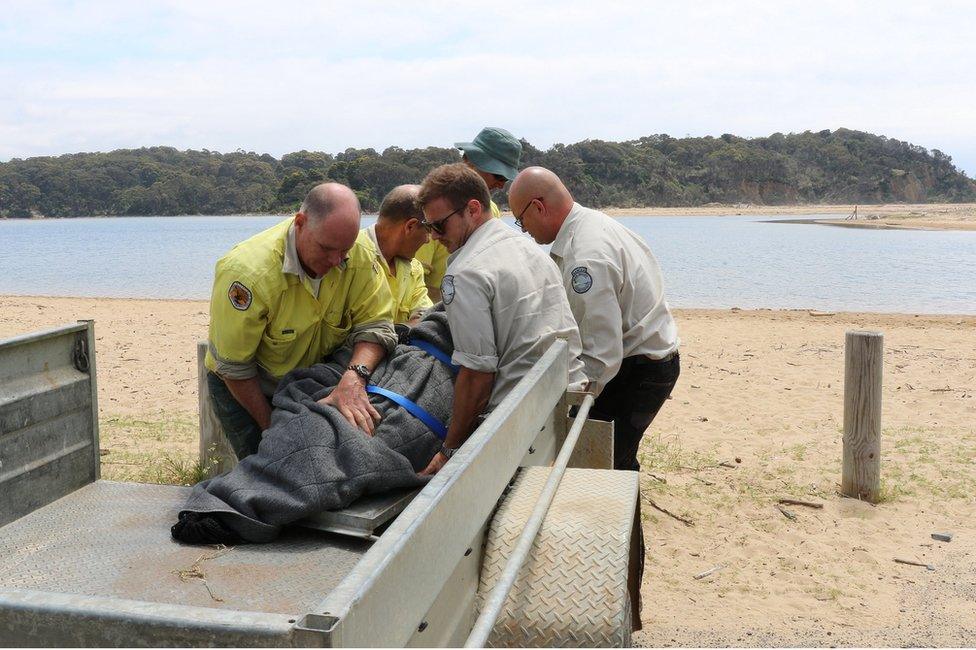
(327, 198)
(543, 202)
(398, 229)
(401, 204)
(326, 227)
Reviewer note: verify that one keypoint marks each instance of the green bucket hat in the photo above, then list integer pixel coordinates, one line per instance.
(495, 151)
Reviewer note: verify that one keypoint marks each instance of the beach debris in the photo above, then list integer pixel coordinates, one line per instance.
(705, 574)
(659, 479)
(942, 537)
(789, 514)
(930, 567)
(796, 502)
(814, 312)
(738, 460)
(702, 418)
(701, 480)
(726, 464)
(195, 571)
(684, 520)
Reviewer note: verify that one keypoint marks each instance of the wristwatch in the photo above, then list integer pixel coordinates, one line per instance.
(361, 370)
(447, 451)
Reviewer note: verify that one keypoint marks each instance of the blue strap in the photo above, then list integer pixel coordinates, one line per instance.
(435, 352)
(413, 409)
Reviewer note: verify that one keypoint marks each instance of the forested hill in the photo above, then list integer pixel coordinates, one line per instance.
(841, 166)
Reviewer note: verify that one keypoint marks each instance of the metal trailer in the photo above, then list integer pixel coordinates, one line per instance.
(496, 550)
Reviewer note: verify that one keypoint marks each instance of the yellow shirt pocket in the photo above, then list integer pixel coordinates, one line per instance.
(335, 330)
(278, 354)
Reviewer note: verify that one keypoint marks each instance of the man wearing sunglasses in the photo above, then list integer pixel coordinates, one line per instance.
(615, 289)
(503, 296)
(494, 154)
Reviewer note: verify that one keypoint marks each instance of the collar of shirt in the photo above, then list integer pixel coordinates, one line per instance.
(482, 232)
(565, 235)
(291, 264)
(371, 233)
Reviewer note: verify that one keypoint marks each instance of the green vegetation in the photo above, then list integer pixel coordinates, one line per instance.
(152, 450)
(841, 166)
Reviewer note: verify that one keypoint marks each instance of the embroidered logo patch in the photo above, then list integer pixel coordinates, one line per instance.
(582, 280)
(447, 289)
(240, 296)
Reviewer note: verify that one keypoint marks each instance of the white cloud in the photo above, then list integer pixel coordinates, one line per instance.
(327, 76)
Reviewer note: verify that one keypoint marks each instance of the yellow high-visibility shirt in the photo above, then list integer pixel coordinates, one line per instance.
(406, 279)
(266, 312)
(433, 256)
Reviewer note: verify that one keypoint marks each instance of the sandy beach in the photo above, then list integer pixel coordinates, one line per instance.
(925, 216)
(761, 391)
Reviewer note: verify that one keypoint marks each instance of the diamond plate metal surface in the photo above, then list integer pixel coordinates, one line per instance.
(112, 539)
(572, 590)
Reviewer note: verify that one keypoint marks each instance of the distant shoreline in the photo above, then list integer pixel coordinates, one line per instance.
(900, 216)
(796, 311)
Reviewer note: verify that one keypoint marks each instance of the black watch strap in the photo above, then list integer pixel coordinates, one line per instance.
(447, 451)
(361, 370)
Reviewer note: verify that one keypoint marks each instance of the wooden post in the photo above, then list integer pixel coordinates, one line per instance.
(861, 478)
(216, 454)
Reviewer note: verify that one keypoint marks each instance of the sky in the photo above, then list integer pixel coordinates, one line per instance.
(275, 77)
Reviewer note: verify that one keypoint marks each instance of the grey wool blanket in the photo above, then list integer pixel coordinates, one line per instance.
(312, 459)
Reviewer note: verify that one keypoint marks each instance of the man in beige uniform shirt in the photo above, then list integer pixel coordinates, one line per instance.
(614, 285)
(503, 296)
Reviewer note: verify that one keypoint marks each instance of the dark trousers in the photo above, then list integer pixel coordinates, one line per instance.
(631, 400)
(241, 429)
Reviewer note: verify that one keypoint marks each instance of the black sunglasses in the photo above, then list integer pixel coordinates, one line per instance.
(518, 219)
(438, 226)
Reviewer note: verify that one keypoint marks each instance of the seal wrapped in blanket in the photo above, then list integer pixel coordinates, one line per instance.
(312, 459)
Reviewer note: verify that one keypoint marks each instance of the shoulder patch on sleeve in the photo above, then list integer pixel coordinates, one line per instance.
(582, 280)
(240, 296)
(447, 289)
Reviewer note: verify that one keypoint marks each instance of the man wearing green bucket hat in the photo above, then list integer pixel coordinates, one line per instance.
(494, 154)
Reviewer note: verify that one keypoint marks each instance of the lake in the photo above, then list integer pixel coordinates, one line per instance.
(719, 262)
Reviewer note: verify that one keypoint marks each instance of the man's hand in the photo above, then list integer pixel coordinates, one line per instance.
(435, 464)
(349, 397)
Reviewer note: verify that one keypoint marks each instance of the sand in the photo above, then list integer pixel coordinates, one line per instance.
(926, 216)
(764, 387)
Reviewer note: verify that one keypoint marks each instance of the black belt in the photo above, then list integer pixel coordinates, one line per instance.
(645, 358)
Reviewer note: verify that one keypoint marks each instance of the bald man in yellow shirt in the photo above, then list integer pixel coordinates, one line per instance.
(284, 299)
(394, 240)
(494, 154)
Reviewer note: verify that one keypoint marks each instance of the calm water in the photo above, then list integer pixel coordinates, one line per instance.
(708, 261)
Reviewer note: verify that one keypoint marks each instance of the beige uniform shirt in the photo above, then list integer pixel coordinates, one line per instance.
(616, 293)
(506, 305)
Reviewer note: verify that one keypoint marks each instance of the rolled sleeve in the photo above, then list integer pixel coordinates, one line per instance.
(469, 316)
(380, 332)
(233, 369)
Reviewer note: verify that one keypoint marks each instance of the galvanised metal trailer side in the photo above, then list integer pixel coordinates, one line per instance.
(86, 562)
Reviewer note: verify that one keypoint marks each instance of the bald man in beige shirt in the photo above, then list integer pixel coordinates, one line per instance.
(616, 292)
